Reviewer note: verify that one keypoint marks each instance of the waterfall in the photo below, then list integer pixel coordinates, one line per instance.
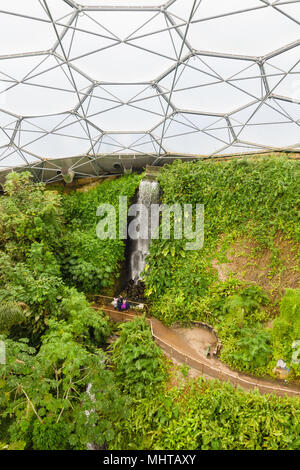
(148, 193)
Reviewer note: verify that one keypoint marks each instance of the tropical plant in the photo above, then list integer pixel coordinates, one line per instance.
(88, 263)
(286, 329)
(254, 199)
(46, 393)
(28, 213)
(209, 415)
(137, 360)
(252, 349)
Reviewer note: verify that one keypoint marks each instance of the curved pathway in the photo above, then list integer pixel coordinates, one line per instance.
(172, 343)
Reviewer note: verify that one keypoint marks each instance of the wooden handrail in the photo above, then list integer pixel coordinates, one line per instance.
(131, 302)
(235, 378)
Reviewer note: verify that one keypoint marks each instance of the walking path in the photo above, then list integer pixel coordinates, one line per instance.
(172, 343)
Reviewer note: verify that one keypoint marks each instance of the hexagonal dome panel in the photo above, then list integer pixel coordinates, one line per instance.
(106, 85)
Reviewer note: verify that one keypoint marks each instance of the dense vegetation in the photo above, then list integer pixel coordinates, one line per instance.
(43, 393)
(87, 262)
(54, 339)
(208, 415)
(254, 199)
(48, 243)
(138, 363)
(61, 388)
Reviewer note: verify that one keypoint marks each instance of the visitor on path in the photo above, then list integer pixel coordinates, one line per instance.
(115, 303)
(125, 304)
(119, 303)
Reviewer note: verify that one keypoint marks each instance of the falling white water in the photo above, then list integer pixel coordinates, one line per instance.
(148, 193)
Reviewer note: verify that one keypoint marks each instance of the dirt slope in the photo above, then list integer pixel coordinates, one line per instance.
(248, 263)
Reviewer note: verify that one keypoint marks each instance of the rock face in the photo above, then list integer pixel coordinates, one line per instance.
(281, 371)
(135, 291)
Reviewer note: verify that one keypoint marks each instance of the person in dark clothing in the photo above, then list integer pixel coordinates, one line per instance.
(119, 303)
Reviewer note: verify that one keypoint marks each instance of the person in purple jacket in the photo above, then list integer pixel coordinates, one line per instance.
(125, 305)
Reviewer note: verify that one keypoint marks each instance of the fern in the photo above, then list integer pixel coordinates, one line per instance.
(252, 349)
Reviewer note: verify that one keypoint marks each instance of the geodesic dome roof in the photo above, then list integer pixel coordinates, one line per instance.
(85, 86)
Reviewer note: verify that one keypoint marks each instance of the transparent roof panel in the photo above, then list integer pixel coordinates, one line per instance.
(107, 45)
(235, 23)
(26, 26)
(188, 131)
(139, 143)
(40, 84)
(213, 84)
(122, 3)
(124, 107)
(60, 135)
(209, 8)
(85, 81)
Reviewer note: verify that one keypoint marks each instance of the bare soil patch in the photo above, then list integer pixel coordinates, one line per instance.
(198, 339)
(249, 263)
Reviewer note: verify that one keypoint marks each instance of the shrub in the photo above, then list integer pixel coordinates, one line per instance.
(138, 361)
(88, 263)
(88, 325)
(28, 213)
(50, 436)
(286, 328)
(252, 349)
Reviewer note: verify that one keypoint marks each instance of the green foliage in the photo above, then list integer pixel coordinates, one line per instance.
(35, 274)
(44, 389)
(40, 260)
(256, 198)
(28, 213)
(11, 313)
(49, 436)
(244, 307)
(41, 292)
(19, 445)
(184, 368)
(138, 362)
(46, 393)
(290, 310)
(249, 300)
(176, 281)
(208, 415)
(30, 225)
(252, 349)
(253, 198)
(246, 344)
(286, 328)
(88, 326)
(88, 263)
(48, 241)
(210, 308)
(172, 307)
(80, 207)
